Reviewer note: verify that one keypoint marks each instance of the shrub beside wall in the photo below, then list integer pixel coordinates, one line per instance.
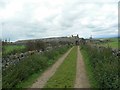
(104, 66)
(30, 65)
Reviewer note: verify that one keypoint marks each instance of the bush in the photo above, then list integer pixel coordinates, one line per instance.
(33, 64)
(104, 66)
(37, 45)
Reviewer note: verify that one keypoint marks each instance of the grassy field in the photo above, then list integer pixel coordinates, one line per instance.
(113, 43)
(28, 70)
(65, 75)
(8, 49)
(102, 67)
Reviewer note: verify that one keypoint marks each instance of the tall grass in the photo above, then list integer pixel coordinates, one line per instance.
(102, 67)
(18, 74)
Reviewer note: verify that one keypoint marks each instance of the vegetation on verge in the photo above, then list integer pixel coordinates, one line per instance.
(65, 75)
(102, 67)
(89, 69)
(29, 68)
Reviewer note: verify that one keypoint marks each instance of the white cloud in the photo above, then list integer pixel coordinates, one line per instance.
(42, 13)
(45, 18)
(11, 10)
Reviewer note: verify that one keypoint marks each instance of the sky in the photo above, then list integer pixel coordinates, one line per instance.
(34, 19)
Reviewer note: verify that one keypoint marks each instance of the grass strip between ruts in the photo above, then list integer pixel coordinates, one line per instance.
(64, 77)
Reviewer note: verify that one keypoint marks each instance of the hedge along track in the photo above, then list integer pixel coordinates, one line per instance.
(65, 75)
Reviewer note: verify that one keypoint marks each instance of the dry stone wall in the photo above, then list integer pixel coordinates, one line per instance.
(14, 59)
